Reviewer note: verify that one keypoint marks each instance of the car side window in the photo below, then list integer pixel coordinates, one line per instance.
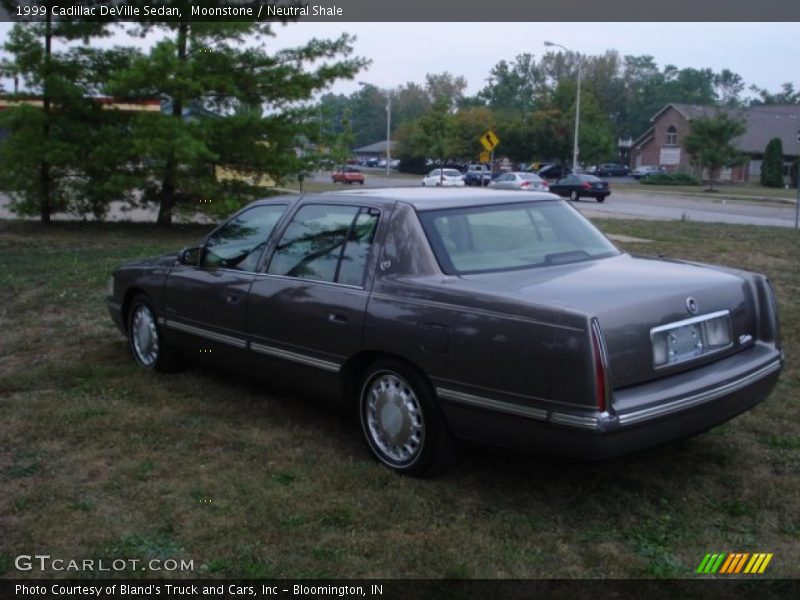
(238, 244)
(326, 243)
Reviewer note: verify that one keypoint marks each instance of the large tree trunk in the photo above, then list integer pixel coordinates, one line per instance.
(45, 206)
(168, 188)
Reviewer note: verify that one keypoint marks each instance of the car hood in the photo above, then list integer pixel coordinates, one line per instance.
(629, 296)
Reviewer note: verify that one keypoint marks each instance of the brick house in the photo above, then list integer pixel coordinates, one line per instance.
(662, 143)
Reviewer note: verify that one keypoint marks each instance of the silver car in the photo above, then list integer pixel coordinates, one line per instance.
(529, 182)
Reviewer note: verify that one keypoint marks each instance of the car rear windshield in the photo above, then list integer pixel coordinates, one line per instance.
(507, 237)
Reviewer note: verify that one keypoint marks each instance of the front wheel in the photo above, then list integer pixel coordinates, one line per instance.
(145, 339)
(401, 421)
(574, 196)
(601, 198)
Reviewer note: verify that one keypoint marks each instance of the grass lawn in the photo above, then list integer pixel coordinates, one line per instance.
(100, 459)
(739, 191)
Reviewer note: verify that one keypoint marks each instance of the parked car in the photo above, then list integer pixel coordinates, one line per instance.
(520, 181)
(348, 174)
(450, 178)
(646, 170)
(611, 170)
(477, 175)
(495, 316)
(553, 172)
(581, 186)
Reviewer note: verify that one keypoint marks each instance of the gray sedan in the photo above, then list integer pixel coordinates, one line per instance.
(494, 316)
(529, 182)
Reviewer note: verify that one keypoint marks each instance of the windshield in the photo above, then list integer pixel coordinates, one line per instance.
(512, 236)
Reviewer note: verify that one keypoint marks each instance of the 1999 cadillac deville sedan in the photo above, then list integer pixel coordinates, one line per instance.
(499, 317)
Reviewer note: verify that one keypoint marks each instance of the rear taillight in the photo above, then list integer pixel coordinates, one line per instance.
(600, 369)
(586, 185)
(525, 184)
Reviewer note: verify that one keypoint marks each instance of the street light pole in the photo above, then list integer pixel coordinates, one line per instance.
(577, 107)
(388, 129)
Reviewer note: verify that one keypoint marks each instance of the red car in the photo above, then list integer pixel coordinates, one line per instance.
(348, 175)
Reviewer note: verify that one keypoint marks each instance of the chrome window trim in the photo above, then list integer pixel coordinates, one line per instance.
(304, 359)
(304, 280)
(696, 399)
(496, 405)
(211, 335)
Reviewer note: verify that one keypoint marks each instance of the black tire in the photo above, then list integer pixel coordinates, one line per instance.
(361, 182)
(397, 400)
(145, 339)
(601, 198)
(574, 196)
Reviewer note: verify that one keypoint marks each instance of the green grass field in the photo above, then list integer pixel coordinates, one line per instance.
(100, 459)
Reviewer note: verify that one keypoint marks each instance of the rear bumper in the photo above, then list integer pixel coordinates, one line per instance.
(646, 415)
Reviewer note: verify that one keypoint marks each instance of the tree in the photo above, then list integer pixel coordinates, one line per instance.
(772, 166)
(728, 87)
(787, 95)
(710, 144)
(231, 104)
(431, 136)
(48, 150)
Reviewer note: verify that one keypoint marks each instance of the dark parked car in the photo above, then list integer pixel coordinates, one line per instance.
(580, 186)
(646, 171)
(477, 175)
(496, 316)
(611, 170)
(553, 172)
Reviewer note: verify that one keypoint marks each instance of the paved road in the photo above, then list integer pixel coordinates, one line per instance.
(621, 204)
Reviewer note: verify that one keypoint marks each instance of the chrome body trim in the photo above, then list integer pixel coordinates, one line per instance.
(696, 399)
(574, 421)
(205, 333)
(684, 322)
(325, 365)
(496, 405)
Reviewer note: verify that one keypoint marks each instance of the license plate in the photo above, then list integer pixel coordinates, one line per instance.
(689, 339)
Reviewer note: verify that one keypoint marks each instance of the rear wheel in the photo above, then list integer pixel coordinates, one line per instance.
(145, 339)
(401, 422)
(601, 198)
(574, 196)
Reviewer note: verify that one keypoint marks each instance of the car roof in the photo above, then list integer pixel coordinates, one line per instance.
(430, 198)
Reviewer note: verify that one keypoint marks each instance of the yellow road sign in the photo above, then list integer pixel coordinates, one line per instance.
(489, 140)
(484, 157)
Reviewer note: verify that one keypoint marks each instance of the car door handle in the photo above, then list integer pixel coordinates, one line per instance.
(337, 318)
(232, 298)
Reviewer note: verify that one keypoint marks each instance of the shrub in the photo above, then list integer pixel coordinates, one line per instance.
(772, 167)
(671, 179)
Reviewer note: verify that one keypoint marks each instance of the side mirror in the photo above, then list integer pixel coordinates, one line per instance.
(189, 256)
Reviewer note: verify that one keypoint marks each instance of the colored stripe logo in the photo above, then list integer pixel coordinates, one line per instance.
(734, 563)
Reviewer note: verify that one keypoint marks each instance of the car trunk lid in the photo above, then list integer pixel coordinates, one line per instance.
(629, 297)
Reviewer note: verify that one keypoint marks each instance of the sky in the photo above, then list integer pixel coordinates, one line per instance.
(764, 54)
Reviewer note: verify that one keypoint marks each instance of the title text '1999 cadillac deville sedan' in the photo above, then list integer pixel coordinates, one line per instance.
(499, 317)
